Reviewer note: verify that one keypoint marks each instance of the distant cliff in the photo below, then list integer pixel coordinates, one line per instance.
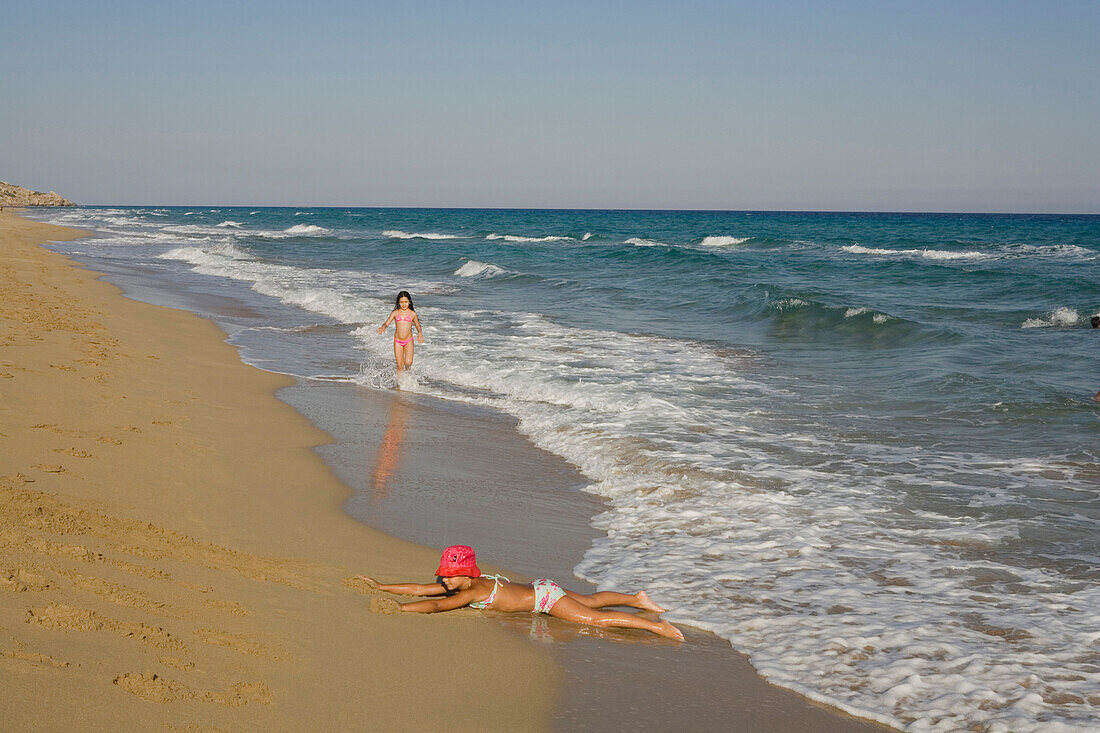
(11, 195)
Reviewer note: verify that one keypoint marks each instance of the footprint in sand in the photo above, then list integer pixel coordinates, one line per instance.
(49, 468)
(155, 688)
(75, 452)
(177, 663)
(62, 617)
(44, 660)
(238, 643)
(228, 606)
(20, 580)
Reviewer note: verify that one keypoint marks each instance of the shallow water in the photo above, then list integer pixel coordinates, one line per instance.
(861, 447)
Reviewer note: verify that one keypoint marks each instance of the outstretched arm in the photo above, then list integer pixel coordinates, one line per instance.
(448, 603)
(388, 320)
(405, 589)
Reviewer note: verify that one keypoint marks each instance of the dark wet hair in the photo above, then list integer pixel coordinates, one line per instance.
(403, 294)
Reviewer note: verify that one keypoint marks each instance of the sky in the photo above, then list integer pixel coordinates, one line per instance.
(841, 106)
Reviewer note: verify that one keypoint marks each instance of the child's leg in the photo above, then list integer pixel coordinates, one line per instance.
(609, 598)
(409, 353)
(571, 610)
(399, 355)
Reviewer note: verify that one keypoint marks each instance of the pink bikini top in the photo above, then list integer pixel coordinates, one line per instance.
(408, 317)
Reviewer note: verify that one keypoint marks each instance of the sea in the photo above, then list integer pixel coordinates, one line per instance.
(862, 447)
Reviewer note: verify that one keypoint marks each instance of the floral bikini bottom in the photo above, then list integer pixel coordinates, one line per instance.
(547, 593)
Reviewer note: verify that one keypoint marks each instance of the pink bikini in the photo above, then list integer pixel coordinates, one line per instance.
(407, 318)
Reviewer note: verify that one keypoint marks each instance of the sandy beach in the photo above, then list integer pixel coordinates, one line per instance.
(174, 552)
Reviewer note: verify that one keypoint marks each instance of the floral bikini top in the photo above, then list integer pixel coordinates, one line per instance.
(481, 605)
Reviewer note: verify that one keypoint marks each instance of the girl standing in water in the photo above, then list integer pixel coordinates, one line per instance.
(404, 318)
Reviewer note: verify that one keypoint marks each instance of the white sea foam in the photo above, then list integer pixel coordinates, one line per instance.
(640, 242)
(229, 223)
(790, 304)
(474, 268)
(339, 294)
(1050, 250)
(718, 241)
(517, 238)
(192, 229)
(398, 234)
(930, 254)
(853, 312)
(307, 230)
(937, 254)
(1060, 317)
(587, 236)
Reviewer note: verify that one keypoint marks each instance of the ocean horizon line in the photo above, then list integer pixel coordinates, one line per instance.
(845, 212)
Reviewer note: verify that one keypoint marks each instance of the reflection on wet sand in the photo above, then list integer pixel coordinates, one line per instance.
(389, 451)
(548, 630)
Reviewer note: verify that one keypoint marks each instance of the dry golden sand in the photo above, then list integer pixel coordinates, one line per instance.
(173, 554)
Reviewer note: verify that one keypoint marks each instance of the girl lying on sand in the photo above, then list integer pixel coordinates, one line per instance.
(462, 584)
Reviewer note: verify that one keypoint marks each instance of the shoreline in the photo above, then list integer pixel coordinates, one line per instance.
(540, 523)
(645, 684)
(172, 549)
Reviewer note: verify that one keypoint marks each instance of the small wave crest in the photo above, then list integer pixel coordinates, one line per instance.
(205, 255)
(474, 268)
(517, 238)
(875, 317)
(307, 230)
(721, 241)
(398, 234)
(229, 223)
(298, 230)
(1058, 318)
(928, 254)
(787, 304)
(1050, 250)
(640, 242)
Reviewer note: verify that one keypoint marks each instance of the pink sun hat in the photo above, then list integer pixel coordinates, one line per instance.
(458, 560)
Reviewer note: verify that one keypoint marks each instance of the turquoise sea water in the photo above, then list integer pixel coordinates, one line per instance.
(861, 447)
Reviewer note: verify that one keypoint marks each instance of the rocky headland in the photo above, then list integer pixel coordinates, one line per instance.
(12, 195)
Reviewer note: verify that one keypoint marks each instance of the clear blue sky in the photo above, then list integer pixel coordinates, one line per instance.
(877, 105)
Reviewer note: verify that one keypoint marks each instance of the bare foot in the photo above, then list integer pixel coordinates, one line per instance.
(646, 603)
(664, 628)
(368, 580)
